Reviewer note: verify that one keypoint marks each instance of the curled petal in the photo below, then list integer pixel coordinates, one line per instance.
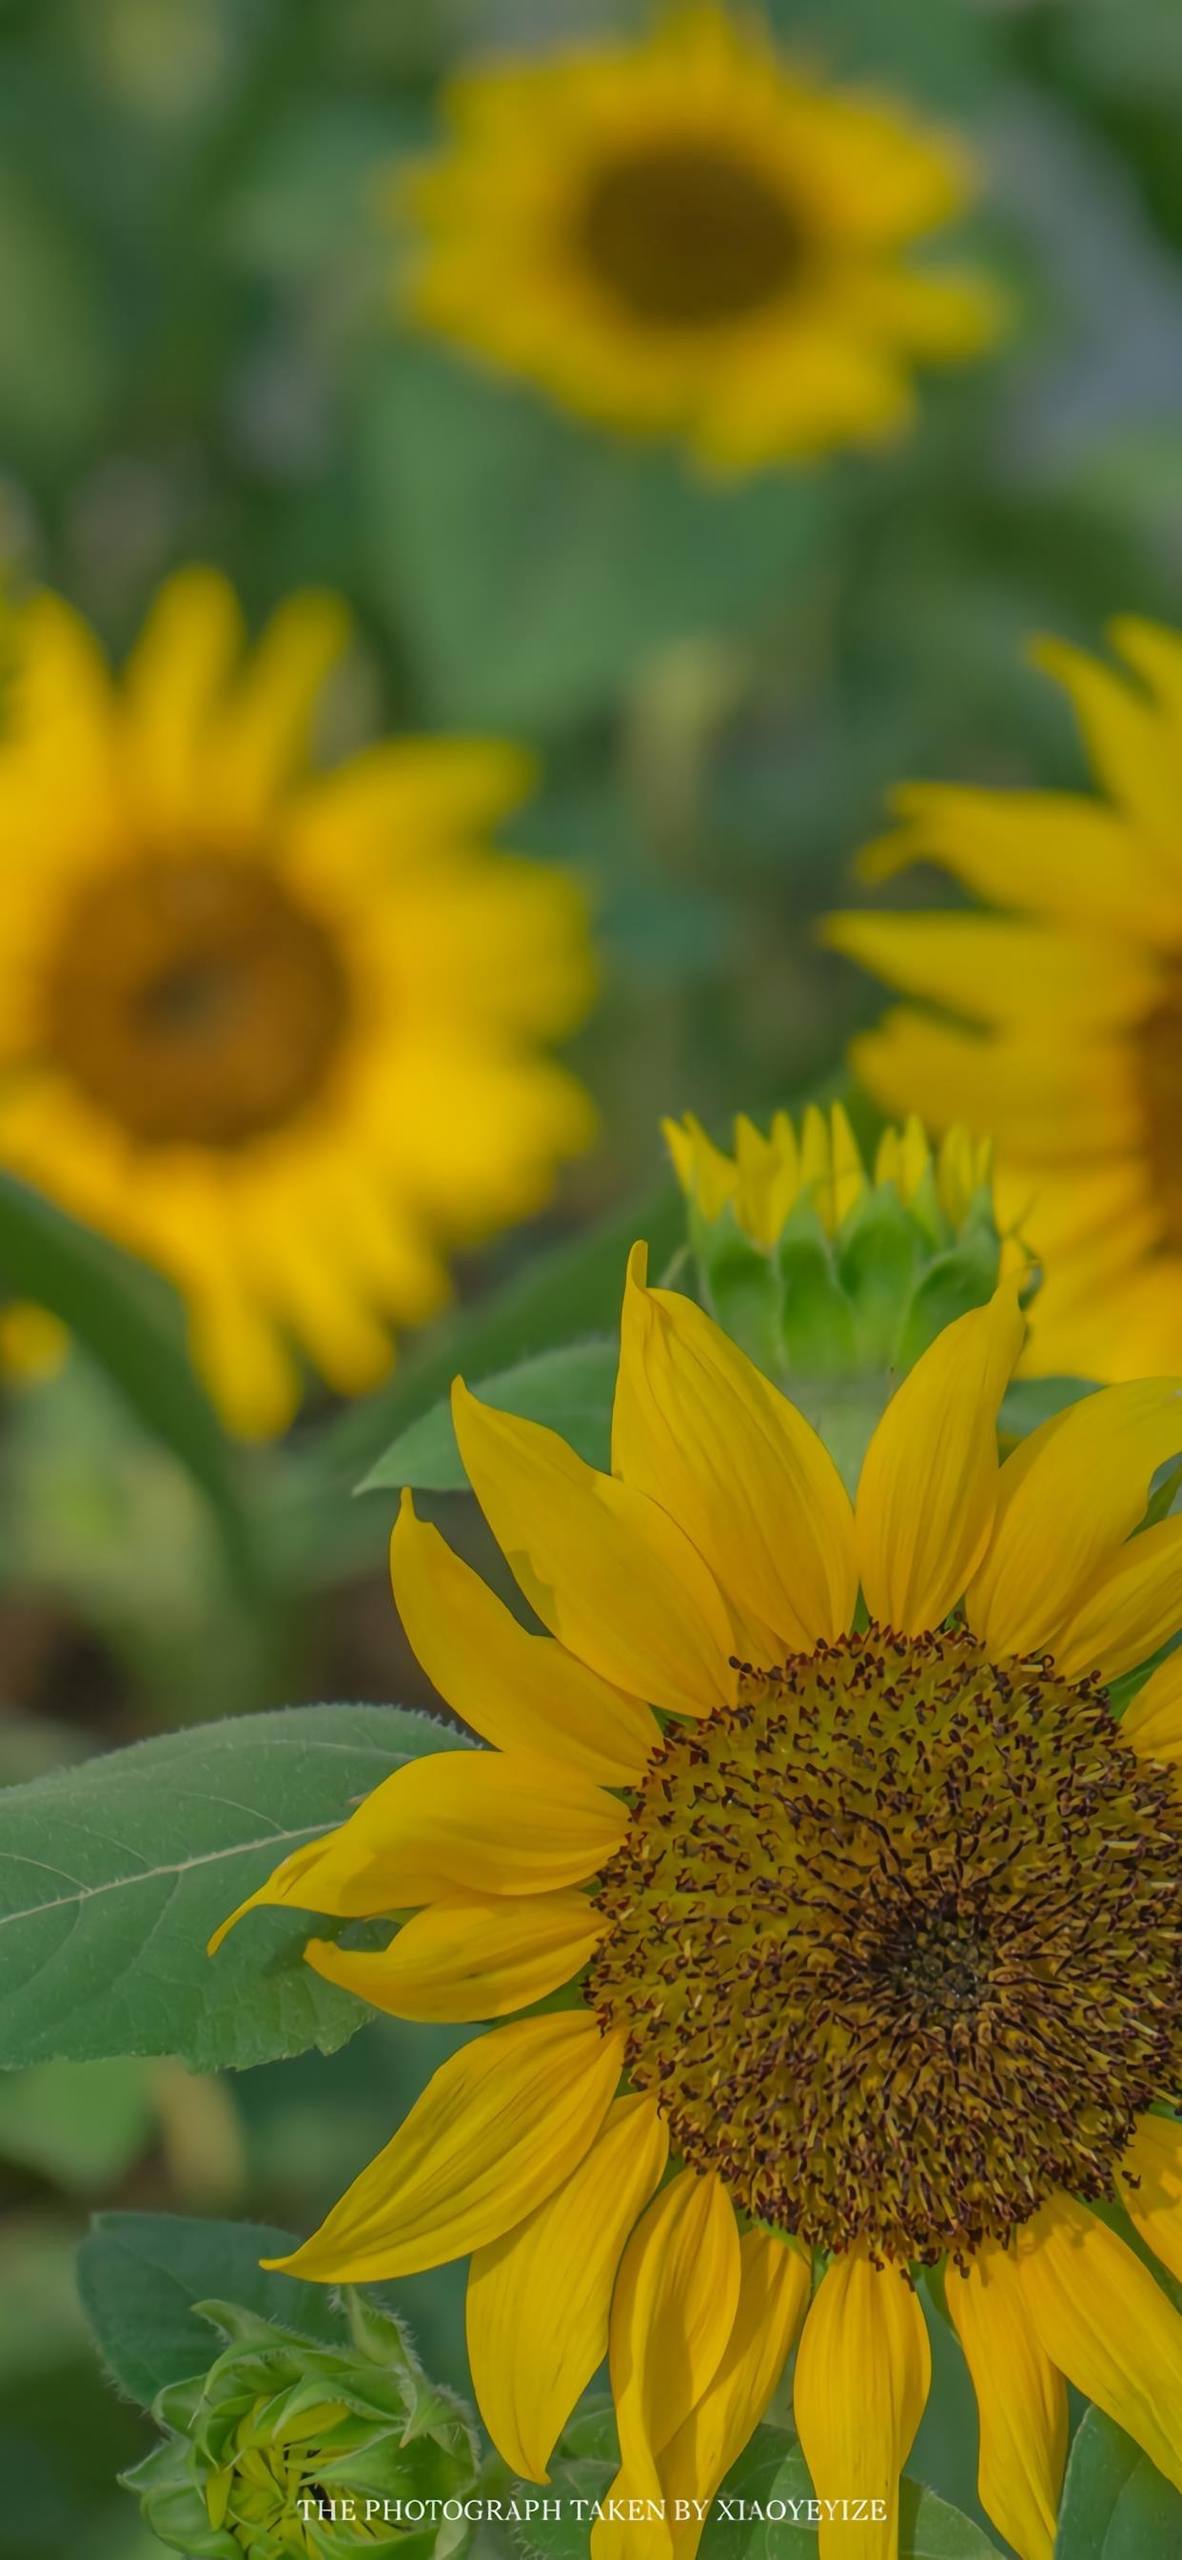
(469, 1959)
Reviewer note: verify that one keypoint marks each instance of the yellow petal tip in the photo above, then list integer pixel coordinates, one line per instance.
(222, 1932)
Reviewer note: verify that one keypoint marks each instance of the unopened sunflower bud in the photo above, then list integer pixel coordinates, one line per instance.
(833, 1277)
(291, 2450)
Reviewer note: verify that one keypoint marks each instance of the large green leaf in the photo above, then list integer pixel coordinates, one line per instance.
(126, 1317)
(113, 1875)
(570, 1389)
(534, 564)
(139, 2275)
(1116, 2506)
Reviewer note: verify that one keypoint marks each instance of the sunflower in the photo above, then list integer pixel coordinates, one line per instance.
(689, 236)
(864, 1923)
(1069, 1046)
(276, 1030)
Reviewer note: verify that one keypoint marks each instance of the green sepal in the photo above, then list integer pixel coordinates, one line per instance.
(741, 1286)
(958, 1280)
(878, 1254)
(817, 1330)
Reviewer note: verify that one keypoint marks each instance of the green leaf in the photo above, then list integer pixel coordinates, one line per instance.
(139, 2275)
(571, 1290)
(570, 1389)
(537, 564)
(112, 1877)
(772, 2474)
(760, 2512)
(1116, 2506)
(127, 1318)
(581, 2470)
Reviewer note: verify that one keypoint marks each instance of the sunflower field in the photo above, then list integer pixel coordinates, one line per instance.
(591, 1279)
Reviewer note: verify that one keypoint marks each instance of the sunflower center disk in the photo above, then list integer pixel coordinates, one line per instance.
(896, 1942)
(1159, 1062)
(195, 1001)
(684, 236)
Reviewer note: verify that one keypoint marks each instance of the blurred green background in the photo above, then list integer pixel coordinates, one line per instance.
(198, 359)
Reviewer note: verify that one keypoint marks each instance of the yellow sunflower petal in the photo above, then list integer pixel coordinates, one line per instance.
(1045, 1103)
(1153, 1723)
(458, 1823)
(59, 719)
(774, 2281)
(672, 2315)
(701, 1431)
(176, 677)
(1132, 1609)
(607, 1571)
(469, 1959)
(1105, 2323)
(991, 968)
(520, 1691)
(1150, 2182)
(1021, 2402)
(407, 794)
(862, 2376)
(494, 2133)
(708, 1178)
(467, 1821)
(539, 2299)
(1067, 1499)
(263, 734)
(1043, 852)
(291, 1886)
(929, 1479)
(1123, 733)
(239, 1349)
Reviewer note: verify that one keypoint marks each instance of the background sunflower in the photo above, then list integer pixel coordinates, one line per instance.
(692, 235)
(1071, 1046)
(273, 1028)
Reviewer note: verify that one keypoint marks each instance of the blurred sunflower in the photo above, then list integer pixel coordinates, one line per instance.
(876, 1918)
(276, 1030)
(690, 236)
(1070, 1042)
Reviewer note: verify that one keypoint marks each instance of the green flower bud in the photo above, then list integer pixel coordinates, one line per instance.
(290, 2450)
(832, 1278)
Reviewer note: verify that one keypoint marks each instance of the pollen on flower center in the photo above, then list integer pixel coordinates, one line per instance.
(1159, 1076)
(194, 1000)
(896, 1942)
(685, 234)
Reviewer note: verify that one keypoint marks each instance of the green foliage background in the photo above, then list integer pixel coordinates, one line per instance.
(198, 359)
